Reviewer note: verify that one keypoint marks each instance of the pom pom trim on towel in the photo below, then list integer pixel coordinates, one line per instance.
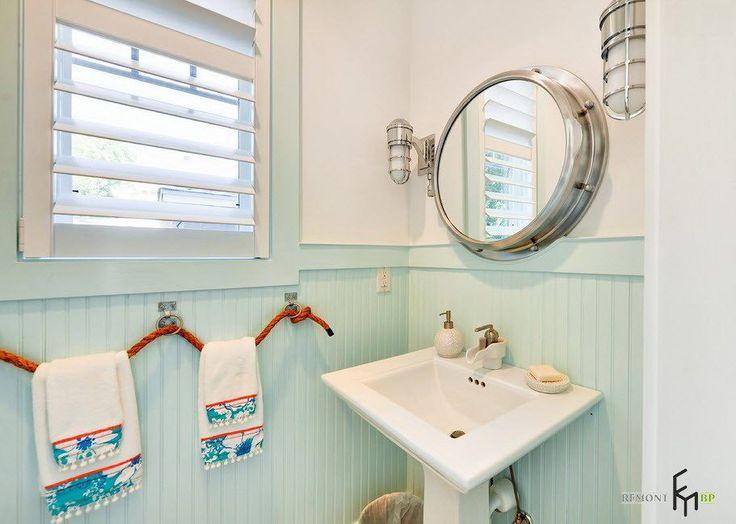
(80, 450)
(94, 506)
(232, 460)
(239, 419)
(231, 411)
(88, 491)
(230, 447)
(91, 460)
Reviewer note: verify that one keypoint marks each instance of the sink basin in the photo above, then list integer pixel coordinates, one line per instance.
(441, 394)
(464, 423)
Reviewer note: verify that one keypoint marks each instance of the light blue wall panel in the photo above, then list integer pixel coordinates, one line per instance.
(589, 326)
(321, 463)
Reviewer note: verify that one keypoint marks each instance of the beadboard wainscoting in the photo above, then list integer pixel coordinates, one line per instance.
(590, 327)
(321, 463)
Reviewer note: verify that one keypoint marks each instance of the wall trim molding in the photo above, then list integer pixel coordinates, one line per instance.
(587, 255)
(85, 278)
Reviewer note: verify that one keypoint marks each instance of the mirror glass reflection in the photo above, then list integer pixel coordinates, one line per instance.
(501, 160)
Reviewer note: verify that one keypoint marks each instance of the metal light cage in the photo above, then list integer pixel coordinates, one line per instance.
(399, 134)
(623, 31)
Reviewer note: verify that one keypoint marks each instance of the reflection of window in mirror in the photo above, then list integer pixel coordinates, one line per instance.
(520, 136)
(509, 158)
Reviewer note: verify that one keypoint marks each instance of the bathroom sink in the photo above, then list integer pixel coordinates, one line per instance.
(442, 395)
(461, 421)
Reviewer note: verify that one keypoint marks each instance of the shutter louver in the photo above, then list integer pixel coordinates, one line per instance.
(143, 139)
(509, 128)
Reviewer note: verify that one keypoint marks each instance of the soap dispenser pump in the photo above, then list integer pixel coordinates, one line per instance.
(448, 341)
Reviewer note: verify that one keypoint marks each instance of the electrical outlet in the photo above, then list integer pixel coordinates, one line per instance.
(383, 280)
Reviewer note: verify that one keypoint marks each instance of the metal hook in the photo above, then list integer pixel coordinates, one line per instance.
(293, 306)
(168, 318)
(291, 303)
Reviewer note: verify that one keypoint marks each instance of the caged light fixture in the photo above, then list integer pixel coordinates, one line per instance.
(400, 137)
(623, 32)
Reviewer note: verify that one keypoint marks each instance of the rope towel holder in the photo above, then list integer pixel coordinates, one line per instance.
(295, 312)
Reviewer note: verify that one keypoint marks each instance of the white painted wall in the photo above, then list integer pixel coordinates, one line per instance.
(366, 63)
(456, 45)
(690, 292)
(355, 80)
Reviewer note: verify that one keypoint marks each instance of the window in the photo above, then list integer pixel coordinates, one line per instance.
(509, 130)
(147, 141)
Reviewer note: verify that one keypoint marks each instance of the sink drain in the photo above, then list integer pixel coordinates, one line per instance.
(457, 433)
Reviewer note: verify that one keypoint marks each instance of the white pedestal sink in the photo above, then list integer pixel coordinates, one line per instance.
(419, 399)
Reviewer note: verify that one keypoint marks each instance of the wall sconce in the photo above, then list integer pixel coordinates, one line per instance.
(623, 33)
(400, 136)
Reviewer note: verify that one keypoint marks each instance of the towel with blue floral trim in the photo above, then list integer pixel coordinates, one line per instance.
(92, 490)
(84, 412)
(232, 446)
(229, 381)
(229, 370)
(233, 410)
(99, 479)
(88, 447)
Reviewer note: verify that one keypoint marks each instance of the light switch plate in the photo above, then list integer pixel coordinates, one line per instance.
(383, 280)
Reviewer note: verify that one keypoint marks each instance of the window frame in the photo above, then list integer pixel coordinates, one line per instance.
(38, 236)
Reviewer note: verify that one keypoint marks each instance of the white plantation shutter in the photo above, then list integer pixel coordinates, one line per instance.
(509, 130)
(158, 140)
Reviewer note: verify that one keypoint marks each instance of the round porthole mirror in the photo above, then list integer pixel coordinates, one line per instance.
(520, 161)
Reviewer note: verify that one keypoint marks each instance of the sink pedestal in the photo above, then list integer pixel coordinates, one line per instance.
(444, 504)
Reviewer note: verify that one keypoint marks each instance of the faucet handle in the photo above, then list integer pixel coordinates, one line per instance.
(491, 335)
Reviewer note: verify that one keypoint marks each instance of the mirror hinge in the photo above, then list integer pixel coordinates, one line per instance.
(21, 235)
(425, 148)
(425, 166)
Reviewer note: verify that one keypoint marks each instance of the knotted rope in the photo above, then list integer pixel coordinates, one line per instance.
(295, 316)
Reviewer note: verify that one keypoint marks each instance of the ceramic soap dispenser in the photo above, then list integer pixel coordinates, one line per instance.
(448, 341)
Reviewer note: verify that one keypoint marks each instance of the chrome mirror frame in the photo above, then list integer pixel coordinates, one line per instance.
(586, 158)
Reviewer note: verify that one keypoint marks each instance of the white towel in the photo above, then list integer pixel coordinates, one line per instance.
(229, 380)
(229, 395)
(95, 484)
(83, 408)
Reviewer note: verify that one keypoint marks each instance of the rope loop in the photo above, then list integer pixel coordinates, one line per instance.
(170, 319)
(177, 328)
